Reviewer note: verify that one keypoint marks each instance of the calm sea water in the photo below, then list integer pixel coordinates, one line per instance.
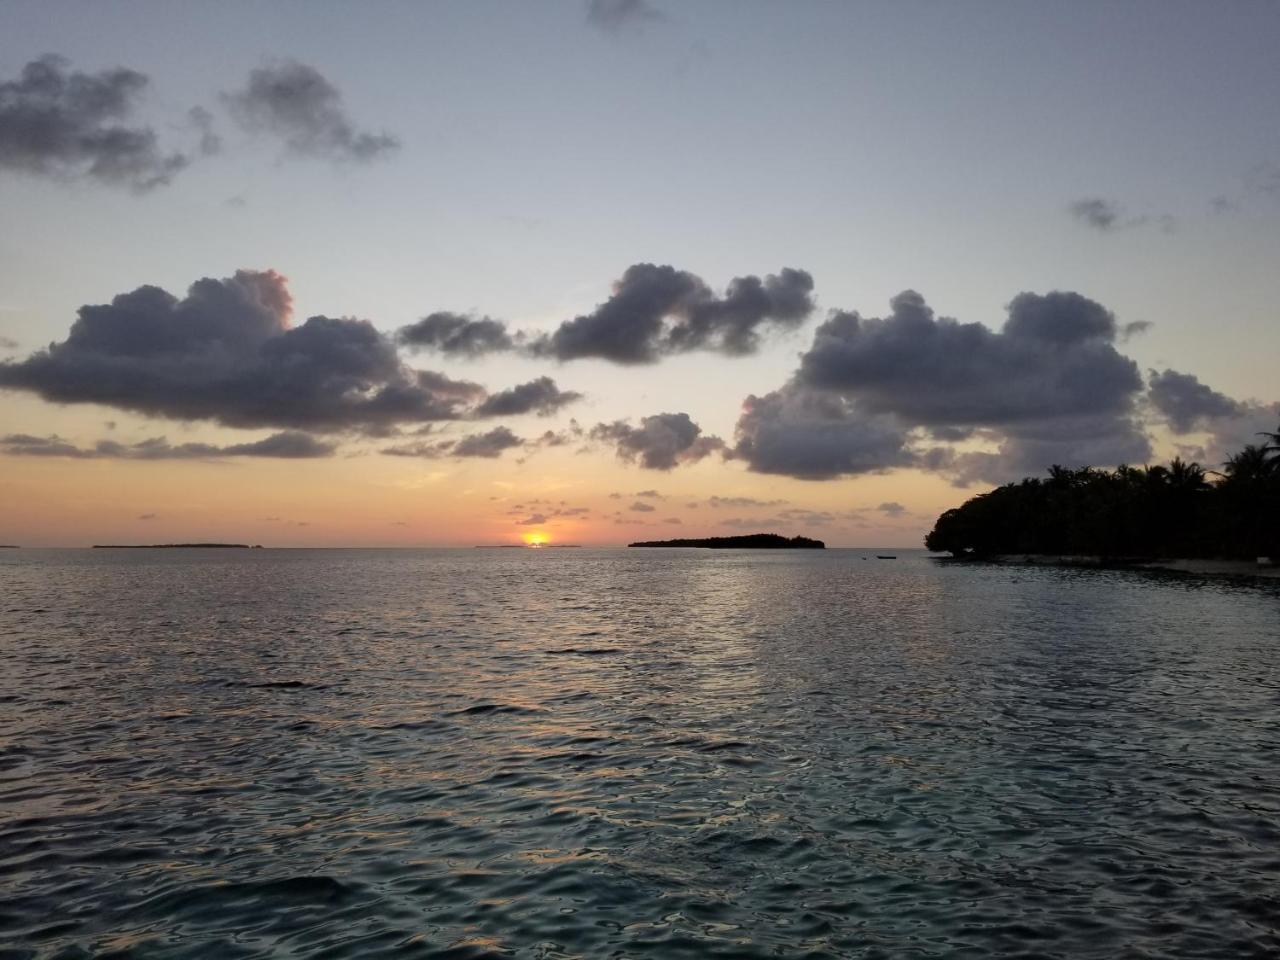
(579, 753)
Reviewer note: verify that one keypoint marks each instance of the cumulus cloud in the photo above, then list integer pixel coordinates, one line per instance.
(658, 310)
(1053, 355)
(1186, 402)
(286, 445)
(297, 104)
(811, 435)
(662, 440)
(870, 393)
(615, 15)
(227, 352)
(65, 124)
(540, 396)
(455, 334)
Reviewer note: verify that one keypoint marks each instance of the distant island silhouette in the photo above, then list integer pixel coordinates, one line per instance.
(1177, 511)
(174, 546)
(752, 541)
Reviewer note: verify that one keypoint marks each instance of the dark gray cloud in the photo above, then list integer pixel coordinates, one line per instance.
(1190, 406)
(1054, 355)
(226, 352)
(662, 440)
(287, 445)
(489, 444)
(1186, 403)
(658, 310)
(64, 124)
(810, 435)
(297, 104)
(615, 15)
(1049, 387)
(456, 334)
(540, 396)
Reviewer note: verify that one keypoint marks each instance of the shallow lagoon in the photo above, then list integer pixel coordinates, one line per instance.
(581, 753)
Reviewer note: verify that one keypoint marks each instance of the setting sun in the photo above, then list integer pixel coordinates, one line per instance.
(538, 539)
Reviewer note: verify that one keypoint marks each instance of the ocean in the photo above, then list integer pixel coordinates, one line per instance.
(632, 753)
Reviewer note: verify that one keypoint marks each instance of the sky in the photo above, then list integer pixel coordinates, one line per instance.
(594, 271)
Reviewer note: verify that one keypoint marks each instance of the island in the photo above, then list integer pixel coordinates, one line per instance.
(174, 546)
(1177, 515)
(752, 541)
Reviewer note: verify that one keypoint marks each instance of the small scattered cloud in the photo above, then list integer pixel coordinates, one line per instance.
(660, 442)
(484, 445)
(457, 335)
(1185, 402)
(717, 502)
(641, 507)
(1106, 216)
(147, 516)
(540, 396)
(298, 105)
(613, 16)
(892, 508)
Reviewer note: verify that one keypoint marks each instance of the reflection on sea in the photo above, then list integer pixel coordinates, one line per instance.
(644, 753)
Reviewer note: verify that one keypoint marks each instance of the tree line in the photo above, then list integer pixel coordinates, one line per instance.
(1170, 510)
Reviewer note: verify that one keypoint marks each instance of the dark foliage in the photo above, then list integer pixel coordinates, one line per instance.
(1176, 510)
(754, 541)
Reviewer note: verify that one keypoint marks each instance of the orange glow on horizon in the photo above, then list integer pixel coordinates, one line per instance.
(536, 539)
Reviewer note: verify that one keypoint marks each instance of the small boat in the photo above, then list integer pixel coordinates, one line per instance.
(885, 556)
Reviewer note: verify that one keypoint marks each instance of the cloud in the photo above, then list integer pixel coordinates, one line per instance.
(1054, 355)
(662, 440)
(1048, 387)
(1190, 406)
(1106, 216)
(1095, 212)
(540, 396)
(809, 435)
(227, 352)
(147, 516)
(892, 508)
(487, 445)
(297, 104)
(288, 445)
(614, 15)
(69, 125)
(658, 310)
(649, 495)
(1186, 403)
(532, 521)
(454, 334)
(739, 502)
(641, 507)
(8, 343)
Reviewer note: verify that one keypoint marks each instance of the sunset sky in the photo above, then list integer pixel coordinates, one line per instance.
(321, 274)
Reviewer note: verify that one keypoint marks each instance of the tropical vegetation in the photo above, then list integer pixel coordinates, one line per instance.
(1176, 510)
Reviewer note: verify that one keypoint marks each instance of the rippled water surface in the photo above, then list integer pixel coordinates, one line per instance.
(576, 753)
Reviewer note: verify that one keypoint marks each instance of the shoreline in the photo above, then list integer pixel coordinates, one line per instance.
(1193, 567)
